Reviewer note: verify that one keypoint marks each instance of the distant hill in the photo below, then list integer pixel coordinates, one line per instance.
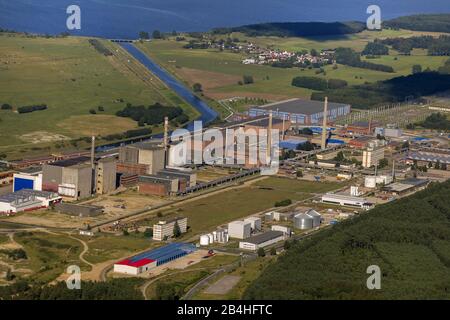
(409, 240)
(296, 29)
(421, 22)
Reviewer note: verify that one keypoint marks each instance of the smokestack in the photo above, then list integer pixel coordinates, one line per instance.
(166, 132)
(166, 139)
(269, 136)
(93, 153)
(93, 179)
(324, 126)
(393, 169)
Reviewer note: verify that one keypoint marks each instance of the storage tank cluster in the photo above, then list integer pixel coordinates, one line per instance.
(372, 181)
(219, 236)
(307, 220)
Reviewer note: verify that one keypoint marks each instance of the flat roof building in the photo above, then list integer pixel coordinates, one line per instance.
(151, 259)
(239, 229)
(302, 112)
(345, 200)
(27, 200)
(262, 240)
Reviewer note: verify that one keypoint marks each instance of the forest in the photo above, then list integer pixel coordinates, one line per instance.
(296, 29)
(389, 91)
(421, 22)
(408, 239)
(150, 115)
(116, 289)
(439, 46)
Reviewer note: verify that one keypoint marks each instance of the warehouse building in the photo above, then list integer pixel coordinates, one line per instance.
(153, 258)
(79, 210)
(163, 230)
(302, 112)
(262, 240)
(189, 176)
(158, 185)
(28, 179)
(239, 229)
(286, 230)
(27, 200)
(405, 186)
(345, 200)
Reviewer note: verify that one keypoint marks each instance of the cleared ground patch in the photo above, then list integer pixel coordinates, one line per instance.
(223, 286)
(99, 124)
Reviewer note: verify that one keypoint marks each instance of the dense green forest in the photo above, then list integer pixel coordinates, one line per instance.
(151, 115)
(439, 46)
(389, 91)
(116, 289)
(437, 121)
(408, 239)
(350, 57)
(296, 29)
(421, 22)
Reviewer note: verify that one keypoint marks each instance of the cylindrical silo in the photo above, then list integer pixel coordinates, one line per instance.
(204, 240)
(303, 221)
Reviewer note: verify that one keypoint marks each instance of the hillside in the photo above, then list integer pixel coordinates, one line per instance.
(421, 22)
(408, 239)
(296, 29)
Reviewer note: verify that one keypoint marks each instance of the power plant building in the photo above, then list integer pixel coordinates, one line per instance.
(148, 155)
(28, 179)
(255, 223)
(302, 112)
(105, 175)
(70, 178)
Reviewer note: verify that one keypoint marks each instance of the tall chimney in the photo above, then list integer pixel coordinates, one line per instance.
(93, 153)
(269, 137)
(393, 169)
(324, 125)
(166, 140)
(94, 178)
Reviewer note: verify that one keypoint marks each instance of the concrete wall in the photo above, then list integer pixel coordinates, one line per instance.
(81, 177)
(52, 177)
(128, 154)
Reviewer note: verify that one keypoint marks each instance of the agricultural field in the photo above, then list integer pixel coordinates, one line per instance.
(71, 78)
(219, 72)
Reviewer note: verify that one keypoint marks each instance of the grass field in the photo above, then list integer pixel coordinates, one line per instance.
(211, 211)
(48, 255)
(248, 273)
(71, 77)
(219, 72)
(4, 239)
(186, 279)
(106, 247)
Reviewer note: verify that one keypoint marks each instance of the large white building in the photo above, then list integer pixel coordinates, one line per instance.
(239, 229)
(25, 200)
(372, 154)
(345, 200)
(28, 179)
(262, 240)
(164, 229)
(255, 223)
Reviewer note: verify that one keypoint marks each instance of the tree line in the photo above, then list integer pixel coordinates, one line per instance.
(332, 264)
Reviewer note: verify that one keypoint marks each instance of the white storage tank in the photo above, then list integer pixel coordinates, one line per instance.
(215, 236)
(370, 182)
(204, 240)
(303, 221)
(211, 238)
